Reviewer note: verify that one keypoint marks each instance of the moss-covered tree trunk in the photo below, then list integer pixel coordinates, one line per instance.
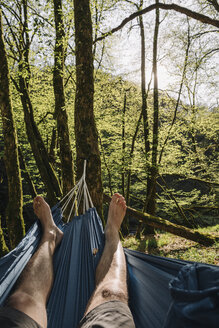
(15, 221)
(3, 198)
(3, 247)
(85, 128)
(66, 156)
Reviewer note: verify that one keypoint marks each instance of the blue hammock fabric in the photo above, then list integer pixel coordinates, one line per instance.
(163, 292)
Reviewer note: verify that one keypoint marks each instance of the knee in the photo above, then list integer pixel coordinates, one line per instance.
(19, 298)
(113, 293)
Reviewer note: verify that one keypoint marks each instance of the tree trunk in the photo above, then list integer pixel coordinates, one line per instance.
(66, 156)
(125, 223)
(3, 247)
(151, 187)
(123, 145)
(3, 200)
(143, 92)
(52, 147)
(15, 221)
(130, 159)
(85, 128)
(147, 229)
(106, 165)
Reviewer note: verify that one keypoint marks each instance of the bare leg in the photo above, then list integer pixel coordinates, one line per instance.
(111, 270)
(36, 280)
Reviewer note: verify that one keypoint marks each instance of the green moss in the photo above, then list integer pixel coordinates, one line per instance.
(3, 247)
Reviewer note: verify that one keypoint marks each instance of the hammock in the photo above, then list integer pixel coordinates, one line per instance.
(163, 292)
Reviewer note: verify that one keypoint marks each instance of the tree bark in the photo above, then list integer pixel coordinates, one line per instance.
(85, 128)
(15, 221)
(166, 225)
(66, 156)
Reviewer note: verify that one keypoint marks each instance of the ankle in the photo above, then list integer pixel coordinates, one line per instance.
(111, 232)
(50, 234)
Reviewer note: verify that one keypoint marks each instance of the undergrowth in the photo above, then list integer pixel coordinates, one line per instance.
(169, 245)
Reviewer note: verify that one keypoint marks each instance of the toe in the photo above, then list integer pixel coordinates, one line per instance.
(115, 198)
(37, 204)
(38, 199)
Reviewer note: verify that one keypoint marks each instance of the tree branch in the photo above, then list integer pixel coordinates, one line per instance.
(200, 17)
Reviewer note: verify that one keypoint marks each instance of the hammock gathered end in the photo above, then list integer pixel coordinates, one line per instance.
(75, 195)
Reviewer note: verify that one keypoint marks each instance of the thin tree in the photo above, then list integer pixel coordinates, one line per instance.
(123, 144)
(66, 156)
(151, 187)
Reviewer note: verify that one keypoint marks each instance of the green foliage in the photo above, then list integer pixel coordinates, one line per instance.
(179, 159)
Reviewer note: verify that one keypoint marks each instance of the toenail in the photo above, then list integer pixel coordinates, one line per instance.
(95, 251)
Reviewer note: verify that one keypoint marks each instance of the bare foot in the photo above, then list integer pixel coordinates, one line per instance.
(43, 212)
(116, 212)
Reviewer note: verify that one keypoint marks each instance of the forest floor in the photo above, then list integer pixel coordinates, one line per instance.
(169, 245)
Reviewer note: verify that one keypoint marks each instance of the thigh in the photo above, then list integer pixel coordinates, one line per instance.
(112, 314)
(12, 318)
